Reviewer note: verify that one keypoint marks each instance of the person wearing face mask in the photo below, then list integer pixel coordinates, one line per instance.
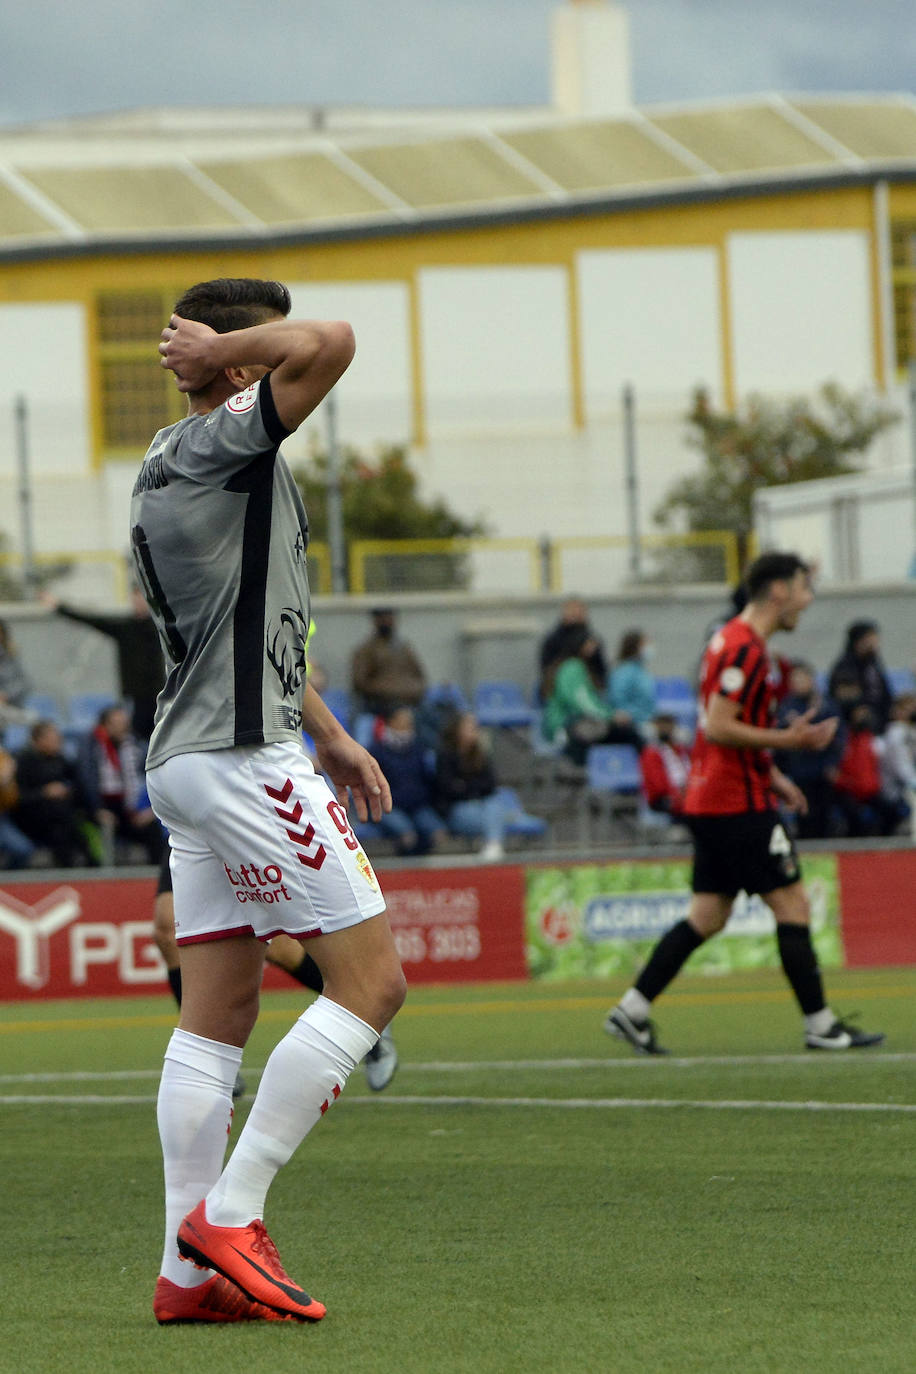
(665, 765)
(861, 659)
(413, 821)
(386, 671)
(631, 690)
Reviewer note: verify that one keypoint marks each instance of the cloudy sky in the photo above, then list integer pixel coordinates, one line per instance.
(99, 55)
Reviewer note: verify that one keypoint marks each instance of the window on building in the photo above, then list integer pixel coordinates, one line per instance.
(903, 238)
(137, 395)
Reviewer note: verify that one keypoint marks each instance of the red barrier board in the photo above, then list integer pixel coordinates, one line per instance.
(878, 893)
(93, 937)
(457, 925)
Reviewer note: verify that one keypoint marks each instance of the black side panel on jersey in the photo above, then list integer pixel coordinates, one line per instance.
(269, 417)
(257, 479)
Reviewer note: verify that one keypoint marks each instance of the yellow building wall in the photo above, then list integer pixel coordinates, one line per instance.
(402, 255)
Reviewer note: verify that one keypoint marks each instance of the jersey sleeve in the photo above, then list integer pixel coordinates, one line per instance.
(244, 428)
(738, 672)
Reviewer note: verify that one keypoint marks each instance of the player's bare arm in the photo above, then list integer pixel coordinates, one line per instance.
(347, 763)
(789, 791)
(723, 725)
(305, 359)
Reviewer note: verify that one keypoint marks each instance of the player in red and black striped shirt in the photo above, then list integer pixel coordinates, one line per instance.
(733, 791)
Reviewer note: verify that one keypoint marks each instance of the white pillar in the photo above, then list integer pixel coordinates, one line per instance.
(590, 69)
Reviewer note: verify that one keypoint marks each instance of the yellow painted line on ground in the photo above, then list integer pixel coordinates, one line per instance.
(495, 1007)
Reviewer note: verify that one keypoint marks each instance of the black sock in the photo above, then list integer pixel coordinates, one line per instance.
(308, 974)
(799, 962)
(174, 977)
(667, 959)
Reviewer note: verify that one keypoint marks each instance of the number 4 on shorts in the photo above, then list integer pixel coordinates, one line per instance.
(779, 841)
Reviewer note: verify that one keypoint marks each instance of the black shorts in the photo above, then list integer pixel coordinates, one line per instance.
(165, 872)
(750, 852)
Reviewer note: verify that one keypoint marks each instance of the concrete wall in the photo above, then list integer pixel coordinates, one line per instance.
(464, 639)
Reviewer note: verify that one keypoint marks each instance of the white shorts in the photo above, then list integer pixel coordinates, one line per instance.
(259, 846)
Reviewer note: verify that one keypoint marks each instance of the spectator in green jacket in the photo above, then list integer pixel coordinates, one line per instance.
(577, 710)
(631, 690)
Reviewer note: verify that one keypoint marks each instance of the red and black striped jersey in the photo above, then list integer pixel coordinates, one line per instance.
(725, 780)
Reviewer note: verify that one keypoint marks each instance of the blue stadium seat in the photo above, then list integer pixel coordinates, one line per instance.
(337, 700)
(14, 738)
(901, 680)
(445, 694)
(675, 696)
(45, 706)
(613, 768)
(362, 728)
(502, 703)
(84, 708)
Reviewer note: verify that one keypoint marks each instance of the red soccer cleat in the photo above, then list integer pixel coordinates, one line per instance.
(246, 1256)
(217, 1300)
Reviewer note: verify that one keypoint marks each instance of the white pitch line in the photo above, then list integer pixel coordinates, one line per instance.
(612, 1103)
(563, 1103)
(518, 1065)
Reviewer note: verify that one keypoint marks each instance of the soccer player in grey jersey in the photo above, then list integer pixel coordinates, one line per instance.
(259, 843)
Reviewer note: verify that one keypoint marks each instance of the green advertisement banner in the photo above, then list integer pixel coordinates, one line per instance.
(602, 920)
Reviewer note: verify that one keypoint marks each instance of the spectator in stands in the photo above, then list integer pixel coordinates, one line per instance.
(53, 806)
(898, 753)
(577, 709)
(467, 792)
(386, 671)
(141, 670)
(558, 644)
(111, 765)
(631, 690)
(814, 772)
(859, 796)
(665, 763)
(16, 849)
(14, 681)
(413, 821)
(861, 659)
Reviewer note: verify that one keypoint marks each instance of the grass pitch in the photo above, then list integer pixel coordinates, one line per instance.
(527, 1195)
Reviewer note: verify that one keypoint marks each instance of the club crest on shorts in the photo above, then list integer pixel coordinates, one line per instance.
(365, 868)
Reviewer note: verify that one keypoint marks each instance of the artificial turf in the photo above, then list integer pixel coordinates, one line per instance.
(527, 1195)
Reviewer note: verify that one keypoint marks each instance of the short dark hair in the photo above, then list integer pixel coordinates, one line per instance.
(228, 303)
(630, 643)
(770, 568)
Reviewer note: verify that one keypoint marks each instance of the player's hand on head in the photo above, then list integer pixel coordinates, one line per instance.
(183, 349)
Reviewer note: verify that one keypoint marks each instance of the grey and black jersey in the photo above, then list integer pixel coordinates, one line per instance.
(219, 537)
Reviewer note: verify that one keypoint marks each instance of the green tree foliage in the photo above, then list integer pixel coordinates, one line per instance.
(380, 500)
(765, 443)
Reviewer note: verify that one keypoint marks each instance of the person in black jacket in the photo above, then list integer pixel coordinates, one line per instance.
(861, 658)
(563, 642)
(467, 791)
(53, 806)
(141, 670)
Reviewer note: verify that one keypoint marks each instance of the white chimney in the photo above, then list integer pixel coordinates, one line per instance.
(590, 70)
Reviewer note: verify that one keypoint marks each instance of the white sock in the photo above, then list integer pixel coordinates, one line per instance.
(194, 1112)
(819, 1022)
(635, 1005)
(303, 1076)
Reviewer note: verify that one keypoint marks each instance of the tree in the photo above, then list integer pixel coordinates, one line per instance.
(766, 443)
(380, 500)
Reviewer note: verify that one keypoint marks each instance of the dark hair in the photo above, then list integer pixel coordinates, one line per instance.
(39, 727)
(629, 644)
(859, 629)
(229, 303)
(770, 568)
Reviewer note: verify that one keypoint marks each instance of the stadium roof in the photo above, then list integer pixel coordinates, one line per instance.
(153, 179)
